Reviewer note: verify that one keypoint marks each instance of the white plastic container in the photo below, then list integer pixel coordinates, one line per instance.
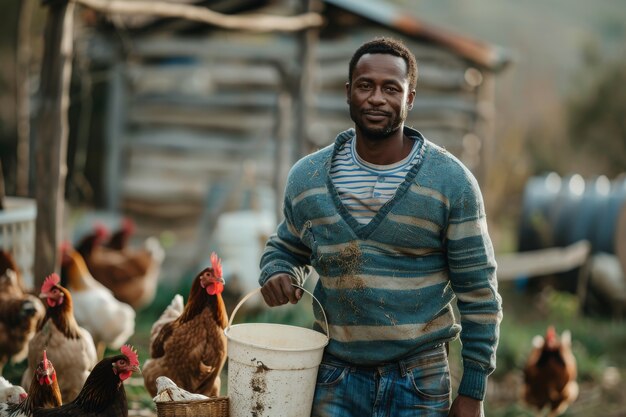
(17, 234)
(272, 368)
(240, 238)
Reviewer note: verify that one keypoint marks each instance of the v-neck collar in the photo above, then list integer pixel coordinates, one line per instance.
(364, 231)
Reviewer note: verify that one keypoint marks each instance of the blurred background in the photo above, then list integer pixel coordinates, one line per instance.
(187, 129)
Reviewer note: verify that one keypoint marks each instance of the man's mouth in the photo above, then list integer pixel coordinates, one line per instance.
(376, 115)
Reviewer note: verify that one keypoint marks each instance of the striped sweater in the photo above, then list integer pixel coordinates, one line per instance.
(387, 287)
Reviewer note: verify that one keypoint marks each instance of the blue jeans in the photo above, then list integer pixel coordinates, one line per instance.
(415, 386)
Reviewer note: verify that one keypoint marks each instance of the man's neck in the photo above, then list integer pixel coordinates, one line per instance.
(384, 151)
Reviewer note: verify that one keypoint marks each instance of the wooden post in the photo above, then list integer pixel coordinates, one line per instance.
(303, 94)
(22, 97)
(51, 133)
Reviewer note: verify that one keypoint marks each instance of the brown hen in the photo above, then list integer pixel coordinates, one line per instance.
(20, 313)
(190, 348)
(131, 273)
(550, 373)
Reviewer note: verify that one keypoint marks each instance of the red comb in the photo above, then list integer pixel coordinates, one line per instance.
(45, 360)
(101, 230)
(131, 354)
(216, 263)
(51, 281)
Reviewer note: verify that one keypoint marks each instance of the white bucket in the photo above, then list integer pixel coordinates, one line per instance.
(272, 368)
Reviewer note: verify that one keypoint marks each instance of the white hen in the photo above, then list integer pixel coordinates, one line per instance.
(110, 321)
(9, 393)
(167, 390)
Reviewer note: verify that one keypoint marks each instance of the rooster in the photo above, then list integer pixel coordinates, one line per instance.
(190, 349)
(103, 394)
(11, 394)
(69, 346)
(550, 373)
(109, 321)
(43, 392)
(130, 273)
(20, 313)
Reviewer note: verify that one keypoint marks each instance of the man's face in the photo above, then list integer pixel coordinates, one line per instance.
(379, 95)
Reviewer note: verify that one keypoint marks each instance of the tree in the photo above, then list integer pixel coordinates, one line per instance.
(596, 115)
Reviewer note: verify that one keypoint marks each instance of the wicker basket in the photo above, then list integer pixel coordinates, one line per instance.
(211, 407)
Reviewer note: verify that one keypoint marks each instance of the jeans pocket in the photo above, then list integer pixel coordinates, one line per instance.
(431, 380)
(328, 375)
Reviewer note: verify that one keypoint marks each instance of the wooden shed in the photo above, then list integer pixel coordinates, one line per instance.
(201, 121)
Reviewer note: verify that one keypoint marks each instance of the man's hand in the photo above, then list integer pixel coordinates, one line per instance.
(278, 291)
(466, 407)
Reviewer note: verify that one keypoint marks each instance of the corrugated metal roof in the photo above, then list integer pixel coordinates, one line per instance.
(481, 53)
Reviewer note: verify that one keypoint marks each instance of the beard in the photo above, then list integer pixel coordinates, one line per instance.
(377, 132)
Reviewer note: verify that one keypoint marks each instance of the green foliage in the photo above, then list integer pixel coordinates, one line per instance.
(596, 113)
(563, 307)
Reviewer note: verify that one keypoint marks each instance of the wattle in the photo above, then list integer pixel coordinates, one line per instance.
(215, 288)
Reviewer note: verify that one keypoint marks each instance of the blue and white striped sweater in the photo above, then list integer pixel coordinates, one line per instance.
(387, 286)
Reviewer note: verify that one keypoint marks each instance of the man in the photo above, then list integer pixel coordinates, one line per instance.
(395, 227)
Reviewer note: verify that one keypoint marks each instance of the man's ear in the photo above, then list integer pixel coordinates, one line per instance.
(348, 92)
(410, 99)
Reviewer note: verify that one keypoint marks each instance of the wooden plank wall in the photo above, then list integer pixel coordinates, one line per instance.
(193, 128)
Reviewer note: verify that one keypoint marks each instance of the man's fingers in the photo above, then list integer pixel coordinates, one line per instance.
(268, 296)
(289, 291)
(298, 294)
(278, 291)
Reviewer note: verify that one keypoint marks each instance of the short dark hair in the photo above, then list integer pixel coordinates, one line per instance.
(387, 46)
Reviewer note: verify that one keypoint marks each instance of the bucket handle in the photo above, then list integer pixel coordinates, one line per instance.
(257, 290)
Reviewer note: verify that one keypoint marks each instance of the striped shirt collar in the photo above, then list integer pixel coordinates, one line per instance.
(384, 169)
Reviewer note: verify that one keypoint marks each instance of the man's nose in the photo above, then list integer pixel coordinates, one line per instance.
(377, 96)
